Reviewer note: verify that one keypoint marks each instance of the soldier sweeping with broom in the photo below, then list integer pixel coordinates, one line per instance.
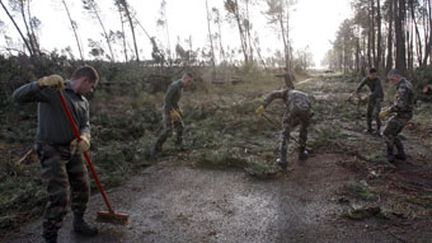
(297, 112)
(375, 99)
(400, 114)
(60, 148)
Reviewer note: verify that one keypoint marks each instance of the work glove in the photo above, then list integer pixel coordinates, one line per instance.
(260, 110)
(175, 115)
(53, 81)
(82, 146)
(384, 114)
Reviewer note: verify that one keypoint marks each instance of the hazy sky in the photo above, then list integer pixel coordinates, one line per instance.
(313, 23)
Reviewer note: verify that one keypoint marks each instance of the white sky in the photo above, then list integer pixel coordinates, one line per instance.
(313, 23)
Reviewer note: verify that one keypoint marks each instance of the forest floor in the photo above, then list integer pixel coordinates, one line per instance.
(226, 188)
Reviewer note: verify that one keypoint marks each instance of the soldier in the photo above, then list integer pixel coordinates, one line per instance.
(59, 153)
(172, 115)
(402, 109)
(375, 98)
(297, 112)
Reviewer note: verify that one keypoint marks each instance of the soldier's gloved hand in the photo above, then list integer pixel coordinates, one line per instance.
(82, 146)
(180, 111)
(53, 81)
(260, 110)
(384, 114)
(175, 115)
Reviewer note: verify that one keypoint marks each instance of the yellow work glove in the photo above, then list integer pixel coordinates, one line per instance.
(260, 110)
(54, 81)
(82, 146)
(175, 115)
(384, 114)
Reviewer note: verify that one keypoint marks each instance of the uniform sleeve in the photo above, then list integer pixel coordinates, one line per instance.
(31, 92)
(85, 125)
(279, 94)
(360, 86)
(402, 100)
(169, 97)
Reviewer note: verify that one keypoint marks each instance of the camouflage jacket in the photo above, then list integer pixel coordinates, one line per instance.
(404, 99)
(293, 99)
(374, 86)
(173, 95)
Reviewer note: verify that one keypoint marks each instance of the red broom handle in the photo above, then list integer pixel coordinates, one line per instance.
(86, 154)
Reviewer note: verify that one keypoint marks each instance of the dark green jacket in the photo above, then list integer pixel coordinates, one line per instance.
(173, 95)
(53, 126)
(374, 86)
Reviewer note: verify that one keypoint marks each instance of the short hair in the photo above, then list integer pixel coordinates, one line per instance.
(187, 74)
(372, 70)
(87, 72)
(394, 71)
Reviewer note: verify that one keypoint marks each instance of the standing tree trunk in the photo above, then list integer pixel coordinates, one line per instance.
(232, 8)
(428, 34)
(91, 6)
(248, 26)
(419, 46)
(379, 63)
(33, 45)
(125, 6)
(218, 22)
(213, 62)
(372, 30)
(32, 29)
(74, 29)
(26, 42)
(400, 37)
(389, 61)
(123, 34)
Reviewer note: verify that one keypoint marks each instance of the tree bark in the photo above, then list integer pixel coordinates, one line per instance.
(379, 63)
(389, 62)
(107, 38)
(400, 37)
(131, 24)
(213, 62)
(74, 30)
(27, 44)
(418, 38)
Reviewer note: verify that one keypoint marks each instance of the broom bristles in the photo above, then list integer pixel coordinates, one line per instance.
(112, 217)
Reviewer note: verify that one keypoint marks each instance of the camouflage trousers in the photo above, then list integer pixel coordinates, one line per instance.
(373, 110)
(168, 126)
(393, 128)
(290, 121)
(62, 171)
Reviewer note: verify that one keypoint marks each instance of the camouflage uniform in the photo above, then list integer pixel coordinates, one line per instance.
(60, 168)
(374, 103)
(298, 112)
(172, 98)
(403, 106)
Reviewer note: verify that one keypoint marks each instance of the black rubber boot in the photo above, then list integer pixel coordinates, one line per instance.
(303, 154)
(50, 237)
(282, 164)
(155, 151)
(390, 156)
(179, 144)
(369, 127)
(82, 227)
(401, 153)
(378, 130)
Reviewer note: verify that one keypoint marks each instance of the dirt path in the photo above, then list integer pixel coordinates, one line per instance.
(170, 203)
(174, 201)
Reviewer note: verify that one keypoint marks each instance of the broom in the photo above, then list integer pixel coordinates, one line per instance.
(108, 216)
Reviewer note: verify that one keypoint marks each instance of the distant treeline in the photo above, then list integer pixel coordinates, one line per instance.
(384, 34)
